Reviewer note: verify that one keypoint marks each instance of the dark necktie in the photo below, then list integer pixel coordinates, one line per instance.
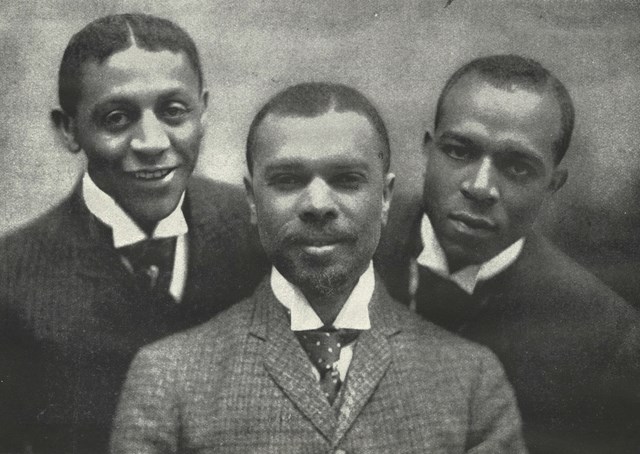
(151, 262)
(323, 348)
(443, 302)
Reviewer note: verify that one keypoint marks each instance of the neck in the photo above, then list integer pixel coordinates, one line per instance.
(147, 227)
(456, 265)
(329, 305)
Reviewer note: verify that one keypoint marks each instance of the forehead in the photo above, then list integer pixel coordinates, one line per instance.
(331, 137)
(136, 70)
(502, 115)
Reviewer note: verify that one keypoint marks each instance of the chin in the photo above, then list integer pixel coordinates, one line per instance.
(325, 283)
(154, 213)
(321, 280)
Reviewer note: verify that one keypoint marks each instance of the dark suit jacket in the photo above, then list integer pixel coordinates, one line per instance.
(71, 317)
(242, 383)
(569, 345)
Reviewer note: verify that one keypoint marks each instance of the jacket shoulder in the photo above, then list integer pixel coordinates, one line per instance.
(188, 347)
(545, 270)
(44, 235)
(433, 334)
(208, 196)
(426, 339)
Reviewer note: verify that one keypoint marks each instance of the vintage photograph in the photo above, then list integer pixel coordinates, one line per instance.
(268, 226)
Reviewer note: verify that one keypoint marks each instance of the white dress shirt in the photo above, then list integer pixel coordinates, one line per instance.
(353, 315)
(433, 257)
(127, 232)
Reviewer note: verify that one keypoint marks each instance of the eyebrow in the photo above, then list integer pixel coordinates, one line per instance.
(526, 156)
(297, 165)
(125, 99)
(509, 148)
(458, 138)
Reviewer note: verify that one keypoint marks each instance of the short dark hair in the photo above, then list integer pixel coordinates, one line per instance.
(108, 35)
(504, 70)
(314, 99)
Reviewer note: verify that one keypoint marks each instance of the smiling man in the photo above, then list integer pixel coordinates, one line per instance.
(474, 264)
(320, 358)
(138, 251)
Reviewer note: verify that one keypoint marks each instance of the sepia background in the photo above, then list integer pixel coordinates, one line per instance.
(399, 53)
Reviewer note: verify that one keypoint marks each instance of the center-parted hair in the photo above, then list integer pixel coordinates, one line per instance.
(503, 71)
(314, 99)
(108, 35)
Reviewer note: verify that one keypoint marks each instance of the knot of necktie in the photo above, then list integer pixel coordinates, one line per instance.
(151, 261)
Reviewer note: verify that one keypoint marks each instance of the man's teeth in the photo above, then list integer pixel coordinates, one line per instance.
(152, 175)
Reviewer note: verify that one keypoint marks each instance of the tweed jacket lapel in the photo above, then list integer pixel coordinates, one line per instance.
(287, 363)
(289, 366)
(371, 359)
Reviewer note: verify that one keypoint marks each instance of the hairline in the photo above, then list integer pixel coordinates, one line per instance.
(186, 44)
(274, 110)
(546, 89)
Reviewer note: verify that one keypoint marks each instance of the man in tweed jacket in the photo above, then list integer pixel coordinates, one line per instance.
(72, 311)
(319, 188)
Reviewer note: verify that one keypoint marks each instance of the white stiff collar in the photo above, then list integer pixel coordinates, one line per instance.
(433, 257)
(125, 230)
(353, 315)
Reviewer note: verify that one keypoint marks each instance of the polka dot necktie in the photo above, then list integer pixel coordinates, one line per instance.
(323, 348)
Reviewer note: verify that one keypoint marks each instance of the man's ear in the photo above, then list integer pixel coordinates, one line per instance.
(558, 179)
(205, 105)
(65, 124)
(426, 142)
(248, 187)
(387, 195)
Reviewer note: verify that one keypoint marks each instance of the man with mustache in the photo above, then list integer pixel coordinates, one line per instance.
(138, 251)
(469, 259)
(320, 358)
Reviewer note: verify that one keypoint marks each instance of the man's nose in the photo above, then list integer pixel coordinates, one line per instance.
(481, 185)
(318, 202)
(150, 136)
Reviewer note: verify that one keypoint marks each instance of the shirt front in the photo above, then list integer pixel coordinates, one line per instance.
(434, 258)
(353, 315)
(127, 232)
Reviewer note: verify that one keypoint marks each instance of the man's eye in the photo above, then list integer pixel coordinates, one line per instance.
(285, 181)
(175, 110)
(455, 152)
(520, 170)
(350, 180)
(117, 119)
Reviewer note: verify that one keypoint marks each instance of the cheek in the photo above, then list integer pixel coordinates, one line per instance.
(273, 213)
(442, 175)
(522, 207)
(367, 213)
(105, 148)
(438, 189)
(188, 136)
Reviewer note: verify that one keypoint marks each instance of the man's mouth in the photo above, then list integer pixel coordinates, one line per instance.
(319, 249)
(320, 244)
(150, 175)
(473, 222)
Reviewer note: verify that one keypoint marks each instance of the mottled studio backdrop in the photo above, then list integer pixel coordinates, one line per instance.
(398, 52)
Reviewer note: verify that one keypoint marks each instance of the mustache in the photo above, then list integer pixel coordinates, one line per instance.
(321, 237)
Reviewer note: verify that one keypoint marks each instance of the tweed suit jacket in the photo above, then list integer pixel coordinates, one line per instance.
(569, 345)
(242, 383)
(72, 318)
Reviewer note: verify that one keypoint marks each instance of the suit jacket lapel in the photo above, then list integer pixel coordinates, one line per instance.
(91, 243)
(287, 363)
(371, 359)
